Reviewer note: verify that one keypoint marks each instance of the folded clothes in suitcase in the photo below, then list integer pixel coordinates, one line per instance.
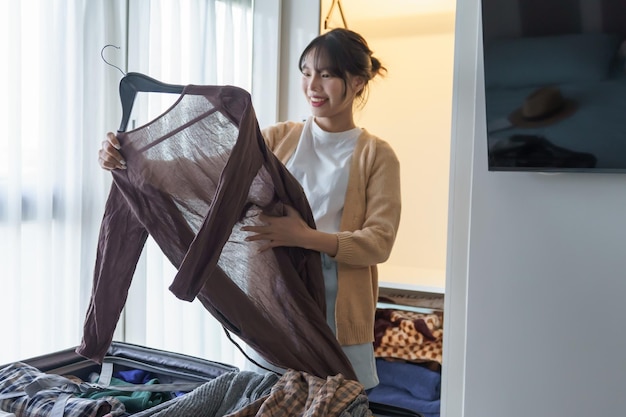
(140, 382)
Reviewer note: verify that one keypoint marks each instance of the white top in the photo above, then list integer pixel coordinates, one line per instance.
(321, 164)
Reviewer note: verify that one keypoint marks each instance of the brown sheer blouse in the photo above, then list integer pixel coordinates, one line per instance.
(195, 176)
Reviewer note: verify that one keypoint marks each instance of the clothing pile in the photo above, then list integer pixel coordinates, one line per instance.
(408, 347)
(27, 392)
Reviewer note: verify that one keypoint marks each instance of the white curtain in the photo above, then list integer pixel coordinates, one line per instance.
(60, 99)
(186, 42)
(54, 106)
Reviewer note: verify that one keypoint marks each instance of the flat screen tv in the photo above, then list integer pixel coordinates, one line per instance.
(555, 85)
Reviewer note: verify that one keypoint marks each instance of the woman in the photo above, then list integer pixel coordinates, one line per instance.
(351, 179)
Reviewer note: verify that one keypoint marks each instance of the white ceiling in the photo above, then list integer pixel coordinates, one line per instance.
(379, 9)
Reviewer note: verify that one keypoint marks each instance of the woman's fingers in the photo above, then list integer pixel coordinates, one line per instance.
(110, 161)
(256, 236)
(109, 157)
(112, 139)
(275, 231)
(260, 234)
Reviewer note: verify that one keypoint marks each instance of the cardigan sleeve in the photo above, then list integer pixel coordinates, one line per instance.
(372, 209)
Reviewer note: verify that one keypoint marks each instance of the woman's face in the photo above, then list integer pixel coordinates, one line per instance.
(330, 101)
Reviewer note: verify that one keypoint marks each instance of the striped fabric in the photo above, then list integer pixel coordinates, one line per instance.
(16, 377)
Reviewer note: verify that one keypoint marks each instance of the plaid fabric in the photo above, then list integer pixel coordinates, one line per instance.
(408, 335)
(301, 394)
(15, 377)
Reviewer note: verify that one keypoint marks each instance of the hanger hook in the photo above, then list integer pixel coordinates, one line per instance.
(330, 12)
(107, 62)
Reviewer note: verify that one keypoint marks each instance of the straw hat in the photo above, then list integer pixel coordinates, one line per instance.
(543, 107)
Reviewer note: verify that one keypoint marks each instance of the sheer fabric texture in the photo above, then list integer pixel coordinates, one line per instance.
(195, 176)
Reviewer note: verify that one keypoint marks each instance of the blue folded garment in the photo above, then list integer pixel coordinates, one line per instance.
(402, 398)
(418, 381)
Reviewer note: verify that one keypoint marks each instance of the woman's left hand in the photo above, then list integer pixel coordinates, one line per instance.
(287, 230)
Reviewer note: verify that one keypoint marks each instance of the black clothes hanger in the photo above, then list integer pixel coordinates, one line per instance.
(134, 82)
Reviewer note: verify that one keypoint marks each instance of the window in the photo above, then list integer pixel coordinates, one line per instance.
(60, 100)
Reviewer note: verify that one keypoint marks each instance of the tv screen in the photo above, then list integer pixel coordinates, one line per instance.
(555, 85)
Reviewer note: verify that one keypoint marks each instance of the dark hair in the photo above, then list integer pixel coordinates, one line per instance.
(346, 53)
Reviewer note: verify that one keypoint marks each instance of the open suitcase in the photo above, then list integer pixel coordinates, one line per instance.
(175, 372)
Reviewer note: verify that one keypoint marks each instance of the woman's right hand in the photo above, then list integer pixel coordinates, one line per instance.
(109, 156)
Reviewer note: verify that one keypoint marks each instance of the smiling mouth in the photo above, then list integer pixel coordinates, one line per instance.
(316, 101)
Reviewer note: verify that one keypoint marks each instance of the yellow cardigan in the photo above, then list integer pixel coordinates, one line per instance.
(368, 228)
